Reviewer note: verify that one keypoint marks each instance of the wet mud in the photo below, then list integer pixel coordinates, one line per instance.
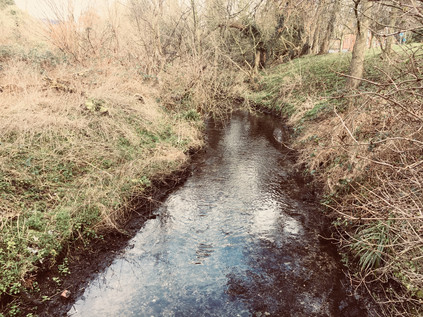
(241, 237)
(86, 258)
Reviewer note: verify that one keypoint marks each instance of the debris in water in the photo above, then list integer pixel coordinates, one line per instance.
(65, 294)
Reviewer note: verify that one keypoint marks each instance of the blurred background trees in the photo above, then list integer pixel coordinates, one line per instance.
(246, 35)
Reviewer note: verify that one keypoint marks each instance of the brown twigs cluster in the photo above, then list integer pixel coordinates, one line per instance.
(383, 210)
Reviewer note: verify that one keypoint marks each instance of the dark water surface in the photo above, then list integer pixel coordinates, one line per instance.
(239, 238)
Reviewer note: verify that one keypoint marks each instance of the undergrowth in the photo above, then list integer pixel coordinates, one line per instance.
(365, 148)
(93, 112)
(77, 145)
(282, 88)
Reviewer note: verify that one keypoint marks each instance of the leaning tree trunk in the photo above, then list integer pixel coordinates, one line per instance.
(324, 48)
(386, 51)
(260, 52)
(317, 30)
(257, 58)
(313, 27)
(357, 61)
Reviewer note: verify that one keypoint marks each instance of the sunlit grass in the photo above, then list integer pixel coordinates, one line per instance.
(74, 151)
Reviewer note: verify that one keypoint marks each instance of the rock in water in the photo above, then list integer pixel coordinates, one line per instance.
(277, 135)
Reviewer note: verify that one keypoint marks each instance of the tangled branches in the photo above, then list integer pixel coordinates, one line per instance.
(383, 210)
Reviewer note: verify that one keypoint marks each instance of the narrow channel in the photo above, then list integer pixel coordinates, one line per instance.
(240, 238)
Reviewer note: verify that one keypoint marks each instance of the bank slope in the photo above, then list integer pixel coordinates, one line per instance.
(365, 148)
(77, 146)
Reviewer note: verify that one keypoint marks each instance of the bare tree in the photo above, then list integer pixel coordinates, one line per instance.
(362, 12)
(324, 47)
(315, 28)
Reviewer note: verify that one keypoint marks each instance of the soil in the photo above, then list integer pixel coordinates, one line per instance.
(87, 258)
(316, 269)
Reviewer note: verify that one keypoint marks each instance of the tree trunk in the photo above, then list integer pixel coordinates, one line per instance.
(256, 61)
(357, 61)
(316, 29)
(316, 39)
(324, 48)
(260, 52)
(312, 26)
(197, 46)
(386, 51)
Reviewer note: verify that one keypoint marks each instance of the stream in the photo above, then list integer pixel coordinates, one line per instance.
(241, 237)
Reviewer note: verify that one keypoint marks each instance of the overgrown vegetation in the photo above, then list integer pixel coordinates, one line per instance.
(366, 148)
(94, 108)
(82, 137)
(282, 88)
(76, 146)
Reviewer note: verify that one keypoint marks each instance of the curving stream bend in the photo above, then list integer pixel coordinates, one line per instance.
(239, 238)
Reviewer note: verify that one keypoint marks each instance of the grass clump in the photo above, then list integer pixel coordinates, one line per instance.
(76, 146)
(302, 85)
(365, 148)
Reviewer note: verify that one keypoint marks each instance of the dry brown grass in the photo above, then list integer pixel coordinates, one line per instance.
(77, 145)
(44, 113)
(91, 112)
(196, 82)
(369, 156)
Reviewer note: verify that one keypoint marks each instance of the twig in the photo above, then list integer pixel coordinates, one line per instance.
(363, 79)
(377, 162)
(372, 218)
(343, 123)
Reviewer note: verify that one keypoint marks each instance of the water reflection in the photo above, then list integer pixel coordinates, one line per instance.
(233, 241)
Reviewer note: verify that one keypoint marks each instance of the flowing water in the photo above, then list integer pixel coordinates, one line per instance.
(239, 238)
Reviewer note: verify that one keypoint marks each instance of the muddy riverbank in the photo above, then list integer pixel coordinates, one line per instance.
(242, 236)
(85, 259)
